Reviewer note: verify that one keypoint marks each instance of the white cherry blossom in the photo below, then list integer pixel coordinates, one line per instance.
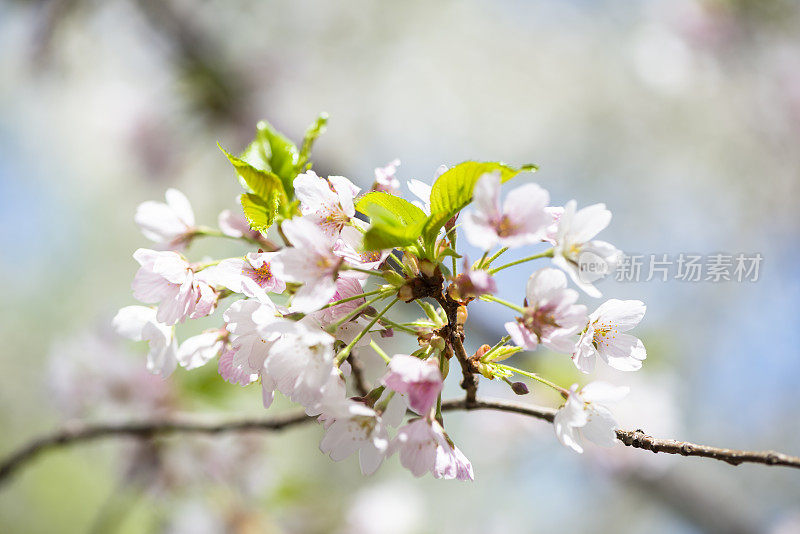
(198, 350)
(605, 336)
(327, 202)
(169, 224)
(251, 276)
(583, 415)
(575, 247)
(310, 261)
(139, 323)
(357, 429)
(551, 316)
(521, 220)
(300, 359)
(422, 191)
(250, 341)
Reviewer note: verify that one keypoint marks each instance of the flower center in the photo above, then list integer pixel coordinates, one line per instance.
(369, 257)
(261, 275)
(505, 227)
(604, 332)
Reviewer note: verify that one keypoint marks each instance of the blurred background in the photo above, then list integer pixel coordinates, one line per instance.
(683, 116)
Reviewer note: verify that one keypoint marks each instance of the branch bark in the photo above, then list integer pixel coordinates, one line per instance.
(78, 433)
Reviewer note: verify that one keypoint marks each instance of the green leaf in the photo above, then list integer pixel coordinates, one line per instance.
(313, 132)
(272, 151)
(259, 213)
(387, 230)
(260, 182)
(396, 222)
(401, 209)
(452, 191)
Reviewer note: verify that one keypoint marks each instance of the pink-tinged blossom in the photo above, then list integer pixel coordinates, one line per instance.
(140, 323)
(347, 286)
(310, 261)
(521, 220)
(251, 276)
(472, 283)
(551, 316)
(423, 447)
(604, 336)
(420, 381)
(166, 278)
(169, 224)
(585, 259)
(385, 180)
(349, 248)
(583, 415)
(326, 202)
(248, 321)
(200, 349)
(234, 224)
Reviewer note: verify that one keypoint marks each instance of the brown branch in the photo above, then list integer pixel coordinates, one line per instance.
(357, 367)
(469, 381)
(78, 433)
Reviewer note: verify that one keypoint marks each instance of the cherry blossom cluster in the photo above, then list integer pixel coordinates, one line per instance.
(322, 264)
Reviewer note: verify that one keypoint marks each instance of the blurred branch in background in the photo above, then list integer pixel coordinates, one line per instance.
(148, 429)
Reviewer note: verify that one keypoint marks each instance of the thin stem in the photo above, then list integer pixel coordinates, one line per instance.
(398, 326)
(279, 226)
(546, 254)
(355, 297)
(564, 392)
(360, 270)
(380, 351)
(346, 351)
(492, 298)
(205, 231)
(494, 256)
(335, 325)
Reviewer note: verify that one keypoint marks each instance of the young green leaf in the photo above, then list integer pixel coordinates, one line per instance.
(453, 189)
(313, 132)
(258, 212)
(263, 183)
(388, 230)
(403, 210)
(272, 151)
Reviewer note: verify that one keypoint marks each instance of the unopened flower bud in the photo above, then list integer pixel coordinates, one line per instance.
(428, 268)
(437, 342)
(483, 349)
(520, 388)
(461, 315)
(405, 293)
